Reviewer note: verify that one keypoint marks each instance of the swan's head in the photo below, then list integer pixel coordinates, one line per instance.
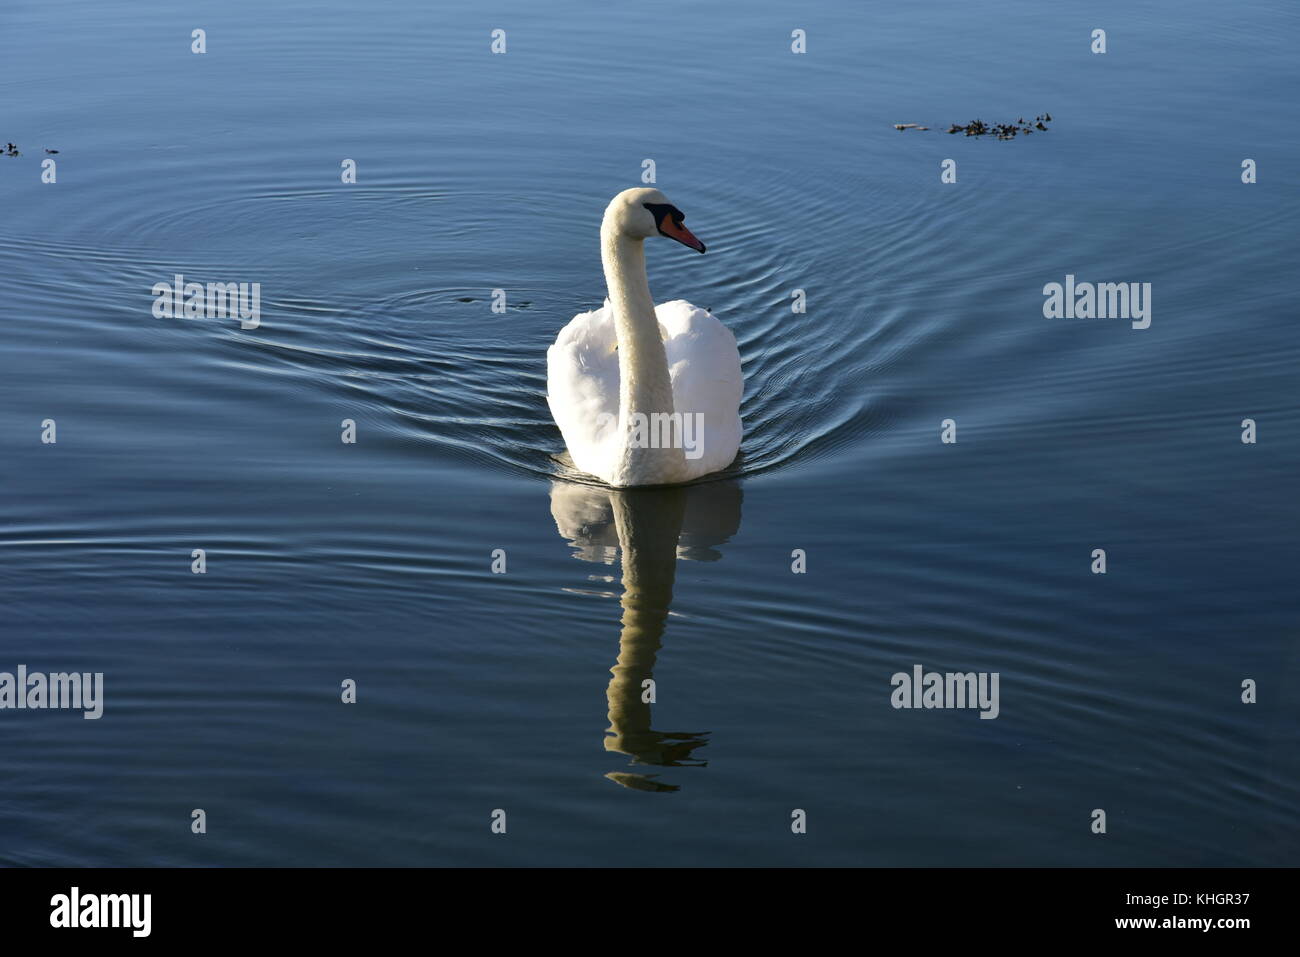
(642, 213)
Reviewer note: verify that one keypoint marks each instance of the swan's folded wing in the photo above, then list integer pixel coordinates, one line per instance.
(704, 363)
(582, 384)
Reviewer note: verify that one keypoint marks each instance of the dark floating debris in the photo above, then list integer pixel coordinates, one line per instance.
(9, 149)
(1003, 131)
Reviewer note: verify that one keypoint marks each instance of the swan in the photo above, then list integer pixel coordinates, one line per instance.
(645, 394)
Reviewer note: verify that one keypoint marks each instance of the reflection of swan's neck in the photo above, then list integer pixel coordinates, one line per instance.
(648, 540)
(644, 383)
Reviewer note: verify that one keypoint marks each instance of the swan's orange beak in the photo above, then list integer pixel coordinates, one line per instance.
(680, 233)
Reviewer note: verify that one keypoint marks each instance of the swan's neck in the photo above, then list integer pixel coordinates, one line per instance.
(644, 383)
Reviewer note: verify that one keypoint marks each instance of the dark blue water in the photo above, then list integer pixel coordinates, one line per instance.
(521, 691)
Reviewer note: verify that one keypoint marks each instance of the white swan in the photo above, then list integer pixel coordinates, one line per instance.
(645, 395)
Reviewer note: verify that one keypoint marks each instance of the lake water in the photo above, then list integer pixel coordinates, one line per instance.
(521, 691)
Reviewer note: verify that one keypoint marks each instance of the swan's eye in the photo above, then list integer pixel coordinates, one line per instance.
(662, 212)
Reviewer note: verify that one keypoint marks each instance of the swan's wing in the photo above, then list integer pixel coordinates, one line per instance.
(705, 367)
(582, 383)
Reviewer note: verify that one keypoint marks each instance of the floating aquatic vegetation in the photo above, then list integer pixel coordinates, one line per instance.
(1002, 131)
(9, 149)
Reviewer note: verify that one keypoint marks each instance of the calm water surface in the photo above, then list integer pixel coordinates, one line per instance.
(521, 691)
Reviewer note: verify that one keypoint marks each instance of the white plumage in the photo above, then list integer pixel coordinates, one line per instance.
(583, 382)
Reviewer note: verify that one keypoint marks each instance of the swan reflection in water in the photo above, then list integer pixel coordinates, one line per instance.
(647, 530)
